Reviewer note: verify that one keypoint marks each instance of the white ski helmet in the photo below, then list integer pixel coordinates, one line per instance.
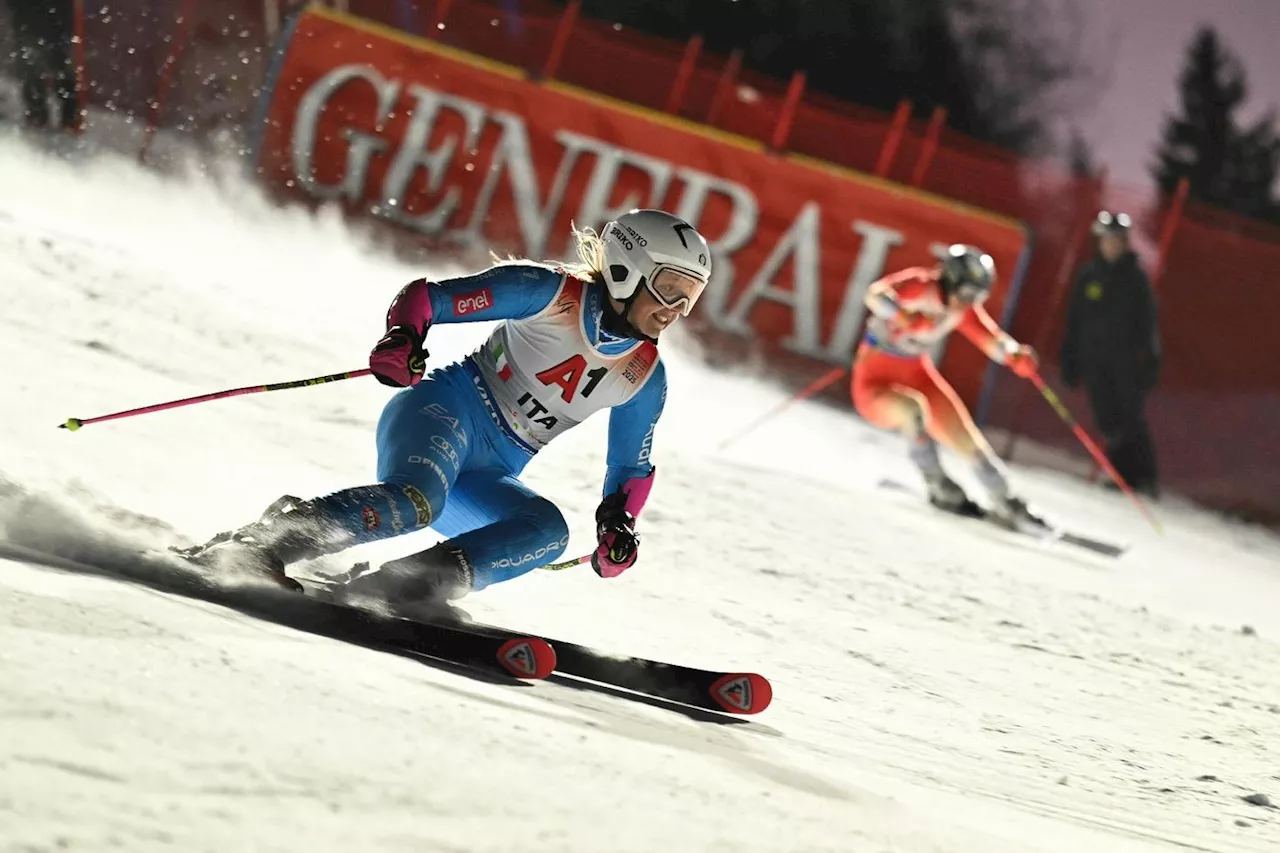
(659, 252)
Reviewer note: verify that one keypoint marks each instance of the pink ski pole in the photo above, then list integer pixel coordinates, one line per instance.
(74, 424)
(1094, 450)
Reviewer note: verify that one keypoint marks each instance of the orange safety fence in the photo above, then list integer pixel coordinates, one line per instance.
(189, 66)
(796, 243)
(1214, 295)
(1216, 412)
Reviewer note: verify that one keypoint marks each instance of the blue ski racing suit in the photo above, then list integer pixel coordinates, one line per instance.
(451, 445)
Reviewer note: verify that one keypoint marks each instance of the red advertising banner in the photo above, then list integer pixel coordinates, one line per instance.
(472, 153)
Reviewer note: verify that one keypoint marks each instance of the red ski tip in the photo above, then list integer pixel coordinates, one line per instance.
(742, 692)
(527, 657)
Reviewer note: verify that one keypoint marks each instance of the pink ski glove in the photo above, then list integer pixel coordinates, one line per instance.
(618, 549)
(399, 359)
(618, 546)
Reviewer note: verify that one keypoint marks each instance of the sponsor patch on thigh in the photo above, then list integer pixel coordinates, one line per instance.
(421, 506)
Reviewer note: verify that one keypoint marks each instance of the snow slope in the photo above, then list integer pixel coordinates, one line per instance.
(938, 686)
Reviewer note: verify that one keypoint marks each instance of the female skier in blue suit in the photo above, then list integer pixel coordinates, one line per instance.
(451, 446)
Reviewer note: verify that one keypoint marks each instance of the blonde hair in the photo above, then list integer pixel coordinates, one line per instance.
(589, 248)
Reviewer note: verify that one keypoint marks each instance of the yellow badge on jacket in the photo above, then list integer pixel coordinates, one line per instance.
(1093, 291)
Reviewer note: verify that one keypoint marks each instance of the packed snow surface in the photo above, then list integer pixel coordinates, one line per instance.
(939, 685)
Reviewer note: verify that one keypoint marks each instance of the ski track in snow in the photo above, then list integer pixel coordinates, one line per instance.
(939, 685)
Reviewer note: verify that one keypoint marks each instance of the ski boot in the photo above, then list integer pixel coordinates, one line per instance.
(946, 495)
(1012, 513)
(419, 586)
(244, 551)
(239, 553)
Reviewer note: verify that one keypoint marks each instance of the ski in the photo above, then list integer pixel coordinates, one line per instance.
(1052, 534)
(516, 655)
(510, 653)
(711, 690)
(506, 653)
(730, 692)
(450, 639)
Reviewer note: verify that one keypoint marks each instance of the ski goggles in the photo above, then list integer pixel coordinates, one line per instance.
(972, 294)
(675, 289)
(1109, 223)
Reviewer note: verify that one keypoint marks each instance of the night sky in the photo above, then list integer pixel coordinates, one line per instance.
(1152, 38)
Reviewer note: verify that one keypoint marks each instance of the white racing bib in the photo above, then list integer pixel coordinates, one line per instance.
(546, 375)
(890, 334)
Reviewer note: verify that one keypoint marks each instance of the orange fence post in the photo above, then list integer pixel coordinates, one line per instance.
(77, 58)
(893, 139)
(271, 18)
(567, 20)
(930, 147)
(795, 91)
(728, 77)
(683, 74)
(437, 19)
(185, 15)
(1170, 226)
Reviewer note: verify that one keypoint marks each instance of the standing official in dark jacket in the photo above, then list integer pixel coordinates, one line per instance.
(44, 30)
(1112, 347)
